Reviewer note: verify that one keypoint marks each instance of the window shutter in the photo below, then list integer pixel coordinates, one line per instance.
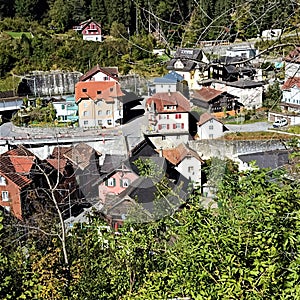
(121, 183)
(167, 116)
(168, 126)
(114, 182)
(159, 117)
(106, 182)
(159, 127)
(179, 116)
(182, 125)
(174, 126)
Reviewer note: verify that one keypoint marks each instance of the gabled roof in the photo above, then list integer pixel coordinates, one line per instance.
(176, 155)
(246, 84)
(293, 56)
(109, 71)
(172, 98)
(59, 151)
(206, 94)
(112, 162)
(82, 155)
(205, 117)
(58, 164)
(8, 171)
(97, 90)
(21, 159)
(85, 23)
(174, 75)
(291, 82)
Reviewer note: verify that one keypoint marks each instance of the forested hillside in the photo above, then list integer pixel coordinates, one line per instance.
(132, 29)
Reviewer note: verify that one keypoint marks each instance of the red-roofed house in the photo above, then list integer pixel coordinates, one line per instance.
(213, 100)
(292, 63)
(98, 73)
(99, 103)
(90, 30)
(209, 127)
(16, 166)
(169, 117)
(291, 94)
(186, 161)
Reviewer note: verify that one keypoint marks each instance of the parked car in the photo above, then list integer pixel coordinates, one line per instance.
(280, 123)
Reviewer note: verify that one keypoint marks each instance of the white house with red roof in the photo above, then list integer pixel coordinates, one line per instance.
(185, 160)
(98, 73)
(168, 115)
(99, 103)
(209, 127)
(90, 30)
(292, 63)
(291, 94)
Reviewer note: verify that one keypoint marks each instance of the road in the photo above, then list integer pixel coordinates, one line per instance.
(258, 126)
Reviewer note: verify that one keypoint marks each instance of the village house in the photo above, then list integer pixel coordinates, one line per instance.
(245, 52)
(66, 109)
(168, 115)
(292, 64)
(186, 161)
(191, 64)
(214, 100)
(291, 95)
(98, 73)
(209, 127)
(171, 82)
(90, 30)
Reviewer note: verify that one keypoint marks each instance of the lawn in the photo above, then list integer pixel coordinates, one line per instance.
(18, 35)
(258, 135)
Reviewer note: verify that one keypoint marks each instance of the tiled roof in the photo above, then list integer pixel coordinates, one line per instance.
(97, 90)
(293, 81)
(8, 171)
(82, 155)
(173, 98)
(293, 56)
(176, 155)
(59, 151)
(109, 71)
(58, 164)
(206, 117)
(206, 94)
(21, 159)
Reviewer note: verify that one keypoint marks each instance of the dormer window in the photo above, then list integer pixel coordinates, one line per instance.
(84, 90)
(99, 92)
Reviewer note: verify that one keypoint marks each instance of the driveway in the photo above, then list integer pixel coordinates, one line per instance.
(259, 126)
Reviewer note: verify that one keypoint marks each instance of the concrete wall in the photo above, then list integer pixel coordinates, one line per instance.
(230, 149)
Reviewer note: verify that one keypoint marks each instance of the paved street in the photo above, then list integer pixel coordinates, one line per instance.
(259, 126)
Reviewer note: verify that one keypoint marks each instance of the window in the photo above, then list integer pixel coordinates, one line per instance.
(100, 122)
(2, 180)
(178, 116)
(63, 106)
(85, 122)
(211, 127)
(182, 125)
(111, 89)
(99, 92)
(5, 196)
(105, 78)
(99, 112)
(211, 136)
(177, 137)
(163, 137)
(110, 182)
(109, 122)
(84, 90)
(85, 105)
(85, 113)
(191, 169)
(108, 112)
(211, 121)
(124, 182)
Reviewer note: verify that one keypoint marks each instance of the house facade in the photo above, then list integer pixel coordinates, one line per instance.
(98, 73)
(244, 52)
(90, 30)
(209, 127)
(191, 64)
(168, 116)
(99, 103)
(292, 64)
(291, 95)
(213, 100)
(66, 110)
